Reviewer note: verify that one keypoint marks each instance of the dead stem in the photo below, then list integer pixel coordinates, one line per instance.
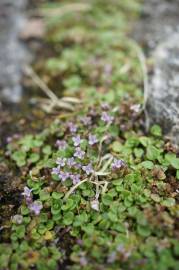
(54, 101)
(58, 12)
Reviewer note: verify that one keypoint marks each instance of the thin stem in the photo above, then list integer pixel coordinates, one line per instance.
(30, 72)
(54, 100)
(74, 187)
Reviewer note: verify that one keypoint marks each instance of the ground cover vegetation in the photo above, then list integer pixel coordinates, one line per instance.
(98, 191)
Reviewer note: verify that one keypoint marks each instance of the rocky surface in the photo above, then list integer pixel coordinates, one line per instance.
(12, 52)
(162, 104)
(158, 32)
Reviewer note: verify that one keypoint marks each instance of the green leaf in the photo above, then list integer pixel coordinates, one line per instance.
(57, 195)
(21, 162)
(143, 230)
(37, 142)
(50, 225)
(147, 164)
(169, 157)
(80, 219)
(107, 199)
(42, 229)
(177, 175)
(47, 150)
(33, 158)
(156, 130)
(44, 195)
(69, 205)
(169, 202)
(68, 218)
(152, 152)
(132, 141)
(20, 231)
(57, 217)
(117, 147)
(113, 216)
(89, 229)
(175, 163)
(27, 142)
(19, 157)
(56, 207)
(24, 210)
(155, 197)
(138, 152)
(43, 217)
(144, 141)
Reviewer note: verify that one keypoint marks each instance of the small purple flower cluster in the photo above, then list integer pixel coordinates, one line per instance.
(72, 164)
(105, 116)
(72, 168)
(76, 167)
(34, 206)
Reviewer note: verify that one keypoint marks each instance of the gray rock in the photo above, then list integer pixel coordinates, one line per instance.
(158, 32)
(162, 104)
(160, 19)
(12, 52)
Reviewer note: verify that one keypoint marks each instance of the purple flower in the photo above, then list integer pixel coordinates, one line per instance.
(76, 140)
(105, 106)
(111, 257)
(36, 207)
(79, 242)
(75, 178)
(92, 139)
(117, 164)
(88, 169)
(107, 118)
(61, 161)
(83, 261)
(77, 166)
(9, 139)
(71, 162)
(72, 127)
(55, 171)
(86, 120)
(79, 153)
(61, 144)
(64, 176)
(27, 192)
